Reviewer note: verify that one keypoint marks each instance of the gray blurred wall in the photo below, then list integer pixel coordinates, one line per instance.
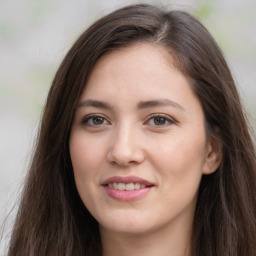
(34, 37)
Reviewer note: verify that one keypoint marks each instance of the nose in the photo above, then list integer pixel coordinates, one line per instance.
(126, 147)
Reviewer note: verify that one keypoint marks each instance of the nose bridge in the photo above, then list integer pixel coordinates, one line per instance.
(125, 146)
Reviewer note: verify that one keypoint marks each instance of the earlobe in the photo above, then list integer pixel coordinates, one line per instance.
(213, 155)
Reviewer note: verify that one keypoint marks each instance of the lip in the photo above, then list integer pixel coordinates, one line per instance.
(127, 179)
(127, 195)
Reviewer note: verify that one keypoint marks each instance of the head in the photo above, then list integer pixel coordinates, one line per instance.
(194, 53)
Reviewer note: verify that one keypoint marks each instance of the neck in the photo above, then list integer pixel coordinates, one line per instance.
(174, 242)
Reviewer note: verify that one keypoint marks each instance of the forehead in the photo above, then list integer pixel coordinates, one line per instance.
(139, 72)
(125, 78)
(142, 56)
(144, 65)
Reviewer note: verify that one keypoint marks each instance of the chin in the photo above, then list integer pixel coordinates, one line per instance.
(127, 223)
(126, 228)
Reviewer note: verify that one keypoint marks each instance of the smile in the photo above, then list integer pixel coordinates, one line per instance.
(127, 188)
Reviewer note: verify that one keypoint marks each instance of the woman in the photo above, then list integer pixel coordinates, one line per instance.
(144, 148)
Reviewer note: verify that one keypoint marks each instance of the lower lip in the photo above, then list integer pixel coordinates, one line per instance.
(127, 195)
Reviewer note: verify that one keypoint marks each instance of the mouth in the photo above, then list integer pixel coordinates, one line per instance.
(126, 188)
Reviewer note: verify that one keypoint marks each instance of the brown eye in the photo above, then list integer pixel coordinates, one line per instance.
(94, 120)
(159, 120)
(98, 120)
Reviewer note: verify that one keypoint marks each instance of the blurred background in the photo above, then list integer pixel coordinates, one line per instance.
(35, 36)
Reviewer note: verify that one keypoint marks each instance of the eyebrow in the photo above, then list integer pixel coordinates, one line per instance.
(159, 103)
(141, 105)
(95, 103)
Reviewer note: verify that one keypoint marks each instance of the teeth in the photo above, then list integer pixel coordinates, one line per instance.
(115, 185)
(128, 186)
(137, 185)
(120, 186)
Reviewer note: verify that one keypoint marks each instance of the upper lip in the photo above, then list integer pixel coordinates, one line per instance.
(127, 179)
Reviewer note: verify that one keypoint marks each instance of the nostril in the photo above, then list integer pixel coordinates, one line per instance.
(125, 158)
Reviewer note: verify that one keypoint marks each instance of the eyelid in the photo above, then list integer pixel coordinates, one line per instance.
(85, 119)
(170, 120)
(167, 117)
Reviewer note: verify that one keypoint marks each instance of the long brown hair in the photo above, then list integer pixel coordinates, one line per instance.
(52, 220)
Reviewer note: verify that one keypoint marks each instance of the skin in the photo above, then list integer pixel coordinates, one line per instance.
(172, 152)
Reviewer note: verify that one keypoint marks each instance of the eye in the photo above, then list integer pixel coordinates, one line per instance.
(160, 120)
(94, 120)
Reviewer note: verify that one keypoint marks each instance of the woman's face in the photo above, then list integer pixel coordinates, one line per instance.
(138, 143)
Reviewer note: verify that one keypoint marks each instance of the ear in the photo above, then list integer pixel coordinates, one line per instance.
(213, 156)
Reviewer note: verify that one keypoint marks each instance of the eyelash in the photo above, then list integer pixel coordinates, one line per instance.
(85, 121)
(167, 120)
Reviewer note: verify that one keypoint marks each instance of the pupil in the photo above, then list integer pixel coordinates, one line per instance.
(97, 120)
(159, 120)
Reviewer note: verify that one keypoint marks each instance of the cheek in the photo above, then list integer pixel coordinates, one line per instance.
(84, 162)
(181, 161)
(190, 154)
(85, 154)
